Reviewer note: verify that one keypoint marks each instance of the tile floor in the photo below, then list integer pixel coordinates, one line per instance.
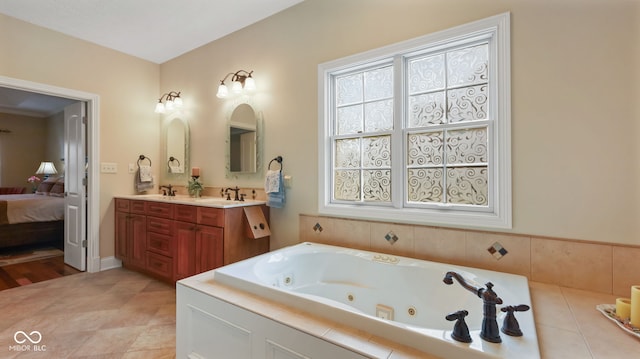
(111, 314)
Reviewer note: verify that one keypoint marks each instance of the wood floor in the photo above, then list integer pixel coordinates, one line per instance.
(16, 275)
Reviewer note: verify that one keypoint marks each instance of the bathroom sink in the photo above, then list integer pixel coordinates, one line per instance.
(225, 202)
(203, 201)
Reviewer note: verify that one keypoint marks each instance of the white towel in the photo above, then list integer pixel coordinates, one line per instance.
(176, 169)
(145, 174)
(142, 186)
(272, 181)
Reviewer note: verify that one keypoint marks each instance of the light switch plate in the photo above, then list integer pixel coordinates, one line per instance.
(109, 167)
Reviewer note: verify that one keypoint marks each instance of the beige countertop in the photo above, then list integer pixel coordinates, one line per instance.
(567, 324)
(216, 202)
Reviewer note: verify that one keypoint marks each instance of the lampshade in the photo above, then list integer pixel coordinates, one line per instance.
(249, 84)
(159, 107)
(46, 168)
(236, 87)
(223, 91)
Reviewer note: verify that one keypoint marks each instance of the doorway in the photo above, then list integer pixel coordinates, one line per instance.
(90, 217)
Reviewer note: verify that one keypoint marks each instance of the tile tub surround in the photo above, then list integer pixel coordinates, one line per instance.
(598, 267)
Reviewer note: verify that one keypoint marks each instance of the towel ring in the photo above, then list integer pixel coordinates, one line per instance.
(142, 158)
(277, 159)
(172, 159)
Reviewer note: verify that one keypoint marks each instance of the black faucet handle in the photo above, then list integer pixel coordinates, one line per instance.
(460, 328)
(510, 325)
(488, 295)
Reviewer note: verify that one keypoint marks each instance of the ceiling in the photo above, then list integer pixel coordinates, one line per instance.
(154, 30)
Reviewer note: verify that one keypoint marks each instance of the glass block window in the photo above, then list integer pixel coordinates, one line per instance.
(419, 132)
(447, 137)
(362, 136)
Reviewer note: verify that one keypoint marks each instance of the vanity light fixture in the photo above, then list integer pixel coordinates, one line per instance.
(171, 100)
(241, 81)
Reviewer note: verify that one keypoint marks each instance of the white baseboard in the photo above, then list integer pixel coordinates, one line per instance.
(110, 263)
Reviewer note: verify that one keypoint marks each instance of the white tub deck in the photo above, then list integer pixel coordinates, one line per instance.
(349, 286)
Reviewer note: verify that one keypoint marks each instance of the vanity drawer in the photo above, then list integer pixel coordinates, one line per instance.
(159, 209)
(160, 225)
(137, 207)
(160, 265)
(185, 213)
(160, 243)
(122, 205)
(211, 216)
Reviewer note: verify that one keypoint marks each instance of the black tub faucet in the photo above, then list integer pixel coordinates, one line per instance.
(489, 331)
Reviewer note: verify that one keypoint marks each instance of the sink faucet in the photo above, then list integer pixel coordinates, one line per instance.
(236, 190)
(489, 331)
(171, 192)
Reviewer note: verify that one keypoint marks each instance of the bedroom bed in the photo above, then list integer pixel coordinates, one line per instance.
(27, 219)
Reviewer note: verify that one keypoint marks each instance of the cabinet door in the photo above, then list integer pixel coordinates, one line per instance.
(122, 235)
(209, 244)
(185, 250)
(138, 239)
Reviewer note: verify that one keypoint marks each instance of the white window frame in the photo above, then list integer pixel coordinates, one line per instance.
(498, 214)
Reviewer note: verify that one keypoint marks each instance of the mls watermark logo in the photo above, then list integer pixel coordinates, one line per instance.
(27, 342)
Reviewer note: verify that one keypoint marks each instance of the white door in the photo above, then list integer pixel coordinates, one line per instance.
(75, 194)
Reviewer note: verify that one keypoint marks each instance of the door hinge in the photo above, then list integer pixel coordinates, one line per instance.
(84, 243)
(84, 120)
(84, 181)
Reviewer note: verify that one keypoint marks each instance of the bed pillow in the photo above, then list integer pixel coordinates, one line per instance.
(58, 188)
(45, 187)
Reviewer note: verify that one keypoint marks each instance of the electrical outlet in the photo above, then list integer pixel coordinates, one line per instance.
(132, 168)
(108, 167)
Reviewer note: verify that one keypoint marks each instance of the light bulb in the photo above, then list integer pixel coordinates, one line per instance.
(177, 102)
(159, 107)
(222, 91)
(249, 84)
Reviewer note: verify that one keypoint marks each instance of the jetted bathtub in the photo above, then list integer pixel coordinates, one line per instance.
(398, 298)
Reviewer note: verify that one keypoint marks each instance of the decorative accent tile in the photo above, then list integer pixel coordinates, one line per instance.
(497, 250)
(391, 237)
(317, 228)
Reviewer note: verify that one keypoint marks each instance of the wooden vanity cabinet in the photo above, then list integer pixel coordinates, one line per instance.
(159, 240)
(131, 233)
(174, 241)
(199, 246)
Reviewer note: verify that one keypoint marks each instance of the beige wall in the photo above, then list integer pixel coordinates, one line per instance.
(128, 88)
(574, 110)
(22, 150)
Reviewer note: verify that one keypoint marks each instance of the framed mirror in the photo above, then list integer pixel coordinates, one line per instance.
(176, 149)
(244, 140)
